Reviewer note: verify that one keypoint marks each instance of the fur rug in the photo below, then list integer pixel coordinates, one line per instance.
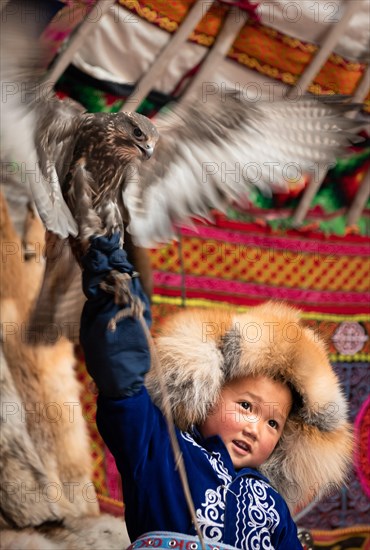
(47, 497)
(102, 533)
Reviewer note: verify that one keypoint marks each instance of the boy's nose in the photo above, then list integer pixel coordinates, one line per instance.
(251, 430)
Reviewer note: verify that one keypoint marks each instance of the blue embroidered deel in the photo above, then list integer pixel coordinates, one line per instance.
(239, 508)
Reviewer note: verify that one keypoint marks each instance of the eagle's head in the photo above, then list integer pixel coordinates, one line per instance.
(133, 135)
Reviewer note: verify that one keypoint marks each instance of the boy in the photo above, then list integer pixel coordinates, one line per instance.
(257, 407)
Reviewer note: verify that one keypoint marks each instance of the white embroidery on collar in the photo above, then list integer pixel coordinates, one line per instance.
(214, 459)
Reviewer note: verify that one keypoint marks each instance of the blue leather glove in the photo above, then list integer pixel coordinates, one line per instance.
(116, 360)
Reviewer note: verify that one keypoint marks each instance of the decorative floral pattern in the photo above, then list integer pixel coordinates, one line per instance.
(214, 459)
(257, 515)
(362, 456)
(211, 517)
(349, 338)
(262, 514)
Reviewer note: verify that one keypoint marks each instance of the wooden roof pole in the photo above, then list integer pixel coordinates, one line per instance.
(234, 22)
(75, 41)
(322, 55)
(147, 81)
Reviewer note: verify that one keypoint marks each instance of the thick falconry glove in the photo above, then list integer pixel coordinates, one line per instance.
(116, 359)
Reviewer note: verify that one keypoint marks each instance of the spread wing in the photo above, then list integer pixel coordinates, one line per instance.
(36, 128)
(210, 154)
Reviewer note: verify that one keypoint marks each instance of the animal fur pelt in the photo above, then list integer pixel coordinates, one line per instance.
(201, 350)
(60, 300)
(45, 461)
(102, 533)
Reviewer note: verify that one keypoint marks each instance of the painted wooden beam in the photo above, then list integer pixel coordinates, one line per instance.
(76, 40)
(148, 80)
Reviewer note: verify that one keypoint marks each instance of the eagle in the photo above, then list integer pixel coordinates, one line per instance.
(97, 173)
(92, 175)
(101, 154)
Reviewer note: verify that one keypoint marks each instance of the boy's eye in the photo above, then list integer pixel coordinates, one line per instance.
(273, 424)
(246, 405)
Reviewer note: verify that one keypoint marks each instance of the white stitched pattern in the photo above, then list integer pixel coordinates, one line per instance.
(211, 516)
(262, 515)
(256, 515)
(215, 460)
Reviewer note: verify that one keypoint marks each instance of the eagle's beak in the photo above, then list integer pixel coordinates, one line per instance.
(148, 151)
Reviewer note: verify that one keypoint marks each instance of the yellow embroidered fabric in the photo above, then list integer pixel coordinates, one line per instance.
(258, 47)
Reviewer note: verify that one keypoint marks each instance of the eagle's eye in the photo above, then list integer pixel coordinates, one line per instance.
(137, 132)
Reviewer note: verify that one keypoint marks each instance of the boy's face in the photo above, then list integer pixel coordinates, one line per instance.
(249, 417)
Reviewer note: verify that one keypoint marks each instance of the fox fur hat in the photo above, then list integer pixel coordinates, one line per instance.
(200, 351)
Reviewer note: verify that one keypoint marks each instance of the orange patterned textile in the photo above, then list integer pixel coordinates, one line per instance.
(258, 47)
(245, 264)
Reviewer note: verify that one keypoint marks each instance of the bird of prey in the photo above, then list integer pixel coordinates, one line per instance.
(102, 153)
(91, 175)
(77, 163)
(92, 179)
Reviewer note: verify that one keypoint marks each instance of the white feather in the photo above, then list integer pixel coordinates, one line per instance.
(211, 154)
(21, 97)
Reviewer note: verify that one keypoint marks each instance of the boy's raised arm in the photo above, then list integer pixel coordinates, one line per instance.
(117, 359)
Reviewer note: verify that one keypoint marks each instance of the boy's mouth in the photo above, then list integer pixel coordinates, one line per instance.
(242, 445)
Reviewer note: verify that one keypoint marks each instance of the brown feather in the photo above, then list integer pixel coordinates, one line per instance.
(108, 148)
